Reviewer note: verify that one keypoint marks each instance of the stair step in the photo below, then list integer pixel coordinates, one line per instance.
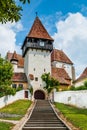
(44, 125)
(44, 122)
(44, 128)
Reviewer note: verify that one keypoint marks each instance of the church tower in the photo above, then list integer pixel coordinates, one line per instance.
(36, 51)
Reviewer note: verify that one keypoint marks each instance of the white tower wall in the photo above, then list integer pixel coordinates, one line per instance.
(37, 62)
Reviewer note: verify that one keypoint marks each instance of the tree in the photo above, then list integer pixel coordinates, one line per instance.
(6, 72)
(10, 11)
(50, 82)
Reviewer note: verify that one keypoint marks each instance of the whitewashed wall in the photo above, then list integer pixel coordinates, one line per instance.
(17, 69)
(9, 99)
(77, 84)
(36, 61)
(76, 98)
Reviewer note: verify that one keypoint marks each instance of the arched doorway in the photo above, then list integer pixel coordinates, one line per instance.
(39, 94)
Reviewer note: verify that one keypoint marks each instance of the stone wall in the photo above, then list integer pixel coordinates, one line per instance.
(76, 98)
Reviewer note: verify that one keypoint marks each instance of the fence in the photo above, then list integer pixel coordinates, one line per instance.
(76, 98)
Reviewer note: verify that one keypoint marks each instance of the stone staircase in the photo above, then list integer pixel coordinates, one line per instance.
(44, 117)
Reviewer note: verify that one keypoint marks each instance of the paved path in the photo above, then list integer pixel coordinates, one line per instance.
(43, 117)
(9, 121)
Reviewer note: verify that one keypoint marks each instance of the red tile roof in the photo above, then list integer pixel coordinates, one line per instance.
(61, 75)
(19, 77)
(39, 31)
(18, 57)
(59, 55)
(82, 76)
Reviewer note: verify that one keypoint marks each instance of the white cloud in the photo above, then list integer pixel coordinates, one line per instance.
(71, 36)
(8, 37)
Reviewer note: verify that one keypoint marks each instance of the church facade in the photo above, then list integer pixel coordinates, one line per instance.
(39, 57)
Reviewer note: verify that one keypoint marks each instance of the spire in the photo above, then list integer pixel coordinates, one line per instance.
(14, 57)
(38, 30)
(36, 14)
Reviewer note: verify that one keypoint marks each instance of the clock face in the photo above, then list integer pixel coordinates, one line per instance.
(41, 43)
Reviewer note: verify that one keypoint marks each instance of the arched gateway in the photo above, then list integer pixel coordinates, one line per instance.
(39, 94)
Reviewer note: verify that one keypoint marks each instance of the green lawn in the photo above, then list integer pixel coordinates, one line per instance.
(77, 116)
(19, 107)
(5, 126)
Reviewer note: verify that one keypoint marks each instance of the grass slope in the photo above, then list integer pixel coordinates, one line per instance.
(5, 126)
(77, 116)
(19, 107)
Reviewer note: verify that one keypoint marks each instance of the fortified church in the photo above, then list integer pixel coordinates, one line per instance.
(39, 57)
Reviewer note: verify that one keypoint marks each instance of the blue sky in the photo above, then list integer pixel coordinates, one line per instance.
(49, 12)
(66, 22)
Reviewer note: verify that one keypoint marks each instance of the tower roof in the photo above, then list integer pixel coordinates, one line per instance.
(39, 31)
(14, 56)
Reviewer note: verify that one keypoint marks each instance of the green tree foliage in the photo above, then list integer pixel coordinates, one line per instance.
(10, 11)
(85, 84)
(31, 90)
(50, 83)
(6, 72)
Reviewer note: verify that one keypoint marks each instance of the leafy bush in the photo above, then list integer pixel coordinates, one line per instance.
(85, 83)
(1, 94)
(6, 73)
(50, 82)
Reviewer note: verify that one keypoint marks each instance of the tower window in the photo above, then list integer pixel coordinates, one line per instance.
(34, 69)
(44, 70)
(41, 43)
(36, 78)
(32, 40)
